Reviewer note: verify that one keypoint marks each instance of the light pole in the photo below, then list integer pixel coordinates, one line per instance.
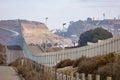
(46, 33)
(103, 16)
(46, 20)
(63, 39)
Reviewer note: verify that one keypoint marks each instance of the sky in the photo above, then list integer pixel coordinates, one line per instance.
(58, 11)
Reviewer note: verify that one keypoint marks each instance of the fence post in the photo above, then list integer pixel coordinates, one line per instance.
(109, 78)
(58, 76)
(22, 62)
(52, 74)
(35, 66)
(97, 77)
(71, 74)
(66, 75)
(55, 74)
(89, 77)
(25, 61)
(62, 76)
(83, 76)
(42, 69)
(77, 76)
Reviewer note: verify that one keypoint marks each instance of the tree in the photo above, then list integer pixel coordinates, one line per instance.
(94, 36)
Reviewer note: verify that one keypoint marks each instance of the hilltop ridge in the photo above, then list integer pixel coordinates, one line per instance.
(32, 31)
(75, 29)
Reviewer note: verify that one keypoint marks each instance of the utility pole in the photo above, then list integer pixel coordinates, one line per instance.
(46, 20)
(46, 34)
(63, 38)
(103, 16)
(118, 17)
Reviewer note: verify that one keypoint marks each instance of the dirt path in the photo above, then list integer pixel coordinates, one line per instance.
(8, 73)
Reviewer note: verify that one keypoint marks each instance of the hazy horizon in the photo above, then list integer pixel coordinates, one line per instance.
(58, 11)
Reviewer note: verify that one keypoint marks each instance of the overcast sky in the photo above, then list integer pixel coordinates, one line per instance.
(58, 11)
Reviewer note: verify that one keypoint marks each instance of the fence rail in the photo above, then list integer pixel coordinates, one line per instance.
(52, 58)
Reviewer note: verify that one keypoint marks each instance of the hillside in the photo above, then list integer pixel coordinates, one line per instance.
(39, 33)
(10, 31)
(34, 32)
(75, 29)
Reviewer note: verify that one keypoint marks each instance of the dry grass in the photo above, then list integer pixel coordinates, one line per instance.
(65, 63)
(28, 71)
(91, 65)
(117, 68)
(2, 56)
(102, 65)
(2, 60)
(78, 61)
(106, 70)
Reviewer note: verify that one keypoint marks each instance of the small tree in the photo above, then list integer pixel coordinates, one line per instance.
(94, 36)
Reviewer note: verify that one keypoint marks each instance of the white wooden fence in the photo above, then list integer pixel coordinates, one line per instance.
(50, 59)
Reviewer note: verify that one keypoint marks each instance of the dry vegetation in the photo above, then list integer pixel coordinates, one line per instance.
(102, 65)
(30, 70)
(117, 67)
(2, 56)
(25, 70)
(106, 65)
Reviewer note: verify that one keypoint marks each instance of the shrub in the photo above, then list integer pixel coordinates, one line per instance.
(87, 66)
(92, 64)
(93, 35)
(65, 63)
(105, 71)
(78, 61)
(110, 57)
(102, 65)
(28, 72)
(117, 68)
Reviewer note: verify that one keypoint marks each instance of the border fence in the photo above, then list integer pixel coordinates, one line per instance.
(52, 58)
(47, 73)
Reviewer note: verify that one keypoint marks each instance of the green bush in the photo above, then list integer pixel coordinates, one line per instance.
(94, 35)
